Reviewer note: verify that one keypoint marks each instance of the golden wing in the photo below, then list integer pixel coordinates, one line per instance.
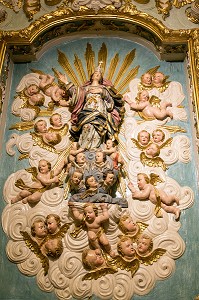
(22, 126)
(39, 141)
(63, 230)
(142, 226)
(154, 179)
(152, 162)
(167, 143)
(152, 257)
(123, 264)
(179, 4)
(155, 101)
(34, 247)
(153, 70)
(136, 143)
(33, 171)
(95, 274)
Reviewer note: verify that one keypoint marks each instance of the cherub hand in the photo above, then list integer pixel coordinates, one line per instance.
(131, 186)
(56, 179)
(62, 77)
(126, 99)
(103, 205)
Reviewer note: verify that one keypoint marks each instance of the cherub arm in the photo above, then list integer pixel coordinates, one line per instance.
(78, 216)
(142, 194)
(62, 165)
(110, 151)
(44, 181)
(105, 215)
(62, 77)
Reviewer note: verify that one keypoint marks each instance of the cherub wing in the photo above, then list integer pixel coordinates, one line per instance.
(142, 226)
(62, 131)
(63, 230)
(22, 126)
(155, 101)
(155, 178)
(34, 247)
(37, 71)
(152, 162)
(97, 273)
(39, 141)
(137, 144)
(123, 264)
(167, 143)
(152, 257)
(153, 70)
(33, 171)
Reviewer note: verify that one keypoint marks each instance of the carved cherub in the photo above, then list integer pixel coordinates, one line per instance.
(143, 140)
(130, 228)
(126, 258)
(145, 252)
(94, 224)
(158, 137)
(147, 107)
(147, 191)
(94, 261)
(74, 150)
(112, 151)
(57, 126)
(150, 157)
(43, 179)
(76, 184)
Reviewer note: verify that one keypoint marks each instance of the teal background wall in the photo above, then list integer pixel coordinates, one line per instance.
(183, 284)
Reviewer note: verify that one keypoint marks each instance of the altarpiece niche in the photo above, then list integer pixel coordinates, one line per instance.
(98, 132)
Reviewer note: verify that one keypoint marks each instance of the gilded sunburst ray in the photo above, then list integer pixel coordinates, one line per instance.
(132, 73)
(80, 69)
(113, 66)
(102, 56)
(64, 62)
(125, 65)
(90, 60)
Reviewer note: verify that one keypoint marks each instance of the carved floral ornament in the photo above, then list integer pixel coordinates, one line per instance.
(30, 8)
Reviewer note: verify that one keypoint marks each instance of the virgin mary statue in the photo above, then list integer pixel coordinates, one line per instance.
(97, 110)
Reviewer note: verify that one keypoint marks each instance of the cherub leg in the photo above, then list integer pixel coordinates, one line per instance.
(93, 240)
(172, 209)
(169, 199)
(23, 194)
(104, 241)
(162, 113)
(33, 199)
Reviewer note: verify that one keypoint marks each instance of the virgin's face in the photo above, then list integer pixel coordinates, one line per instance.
(97, 76)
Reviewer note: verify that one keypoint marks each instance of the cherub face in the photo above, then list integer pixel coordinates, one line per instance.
(144, 96)
(158, 78)
(40, 229)
(35, 98)
(95, 258)
(143, 245)
(109, 179)
(52, 225)
(89, 213)
(91, 182)
(43, 166)
(76, 178)
(109, 144)
(146, 79)
(143, 138)
(152, 150)
(32, 89)
(129, 225)
(41, 126)
(99, 157)
(141, 182)
(127, 248)
(56, 120)
(80, 158)
(50, 136)
(158, 136)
